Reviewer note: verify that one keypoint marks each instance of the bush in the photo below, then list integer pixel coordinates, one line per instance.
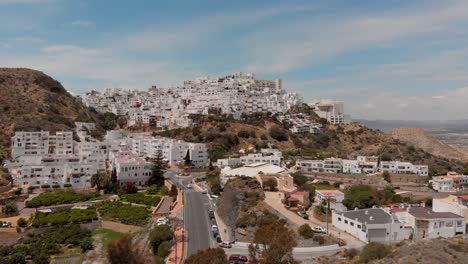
(164, 190)
(59, 197)
(163, 249)
(86, 244)
(152, 190)
(67, 185)
(22, 222)
(65, 217)
(10, 208)
(55, 186)
(305, 231)
(214, 255)
(45, 186)
(373, 251)
(319, 239)
(124, 213)
(350, 253)
(141, 198)
(278, 133)
(159, 235)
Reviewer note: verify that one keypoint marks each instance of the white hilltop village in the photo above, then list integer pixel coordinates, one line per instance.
(45, 160)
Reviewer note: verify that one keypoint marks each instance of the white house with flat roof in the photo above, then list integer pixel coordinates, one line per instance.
(369, 225)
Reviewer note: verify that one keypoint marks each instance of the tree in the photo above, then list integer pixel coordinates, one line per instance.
(374, 251)
(22, 222)
(123, 251)
(278, 133)
(100, 180)
(275, 243)
(10, 208)
(211, 255)
(157, 170)
(159, 235)
(271, 184)
(163, 249)
(188, 161)
(130, 188)
(305, 231)
(360, 196)
(86, 244)
(386, 176)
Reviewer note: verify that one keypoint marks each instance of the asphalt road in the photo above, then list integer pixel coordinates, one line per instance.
(196, 219)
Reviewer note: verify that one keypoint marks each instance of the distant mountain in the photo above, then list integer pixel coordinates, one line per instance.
(421, 139)
(32, 101)
(452, 126)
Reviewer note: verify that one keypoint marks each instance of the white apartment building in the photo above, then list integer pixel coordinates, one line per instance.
(309, 165)
(399, 167)
(351, 166)
(450, 183)
(41, 170)
(130, 167)
(174, 151)
(301, 123)
(428, 224)
(332, 111)
(41, 143)
(274, 158)
(369, 225)
(335, 195)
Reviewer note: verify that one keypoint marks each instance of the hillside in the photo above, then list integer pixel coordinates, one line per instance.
(30, 100)
(226, 137)
(421, 139)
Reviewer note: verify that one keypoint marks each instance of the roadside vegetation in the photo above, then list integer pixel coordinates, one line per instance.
(124, 213)
(59, 197)
(214, 255)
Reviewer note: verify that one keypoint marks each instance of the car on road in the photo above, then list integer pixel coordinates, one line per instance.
(211, 214)
(225, 244)
(236, 258)
(162, 221)
(214, 228)
(319, 229)
(213, 221)
(189, 186)
(303, 214)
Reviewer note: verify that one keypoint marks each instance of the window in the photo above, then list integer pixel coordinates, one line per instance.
(345, 221)
(339, 219)
(459, 223)
(352, 223)
(359, 226)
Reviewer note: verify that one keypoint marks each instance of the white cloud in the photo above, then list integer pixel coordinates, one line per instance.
(309, 41)
(11, 2)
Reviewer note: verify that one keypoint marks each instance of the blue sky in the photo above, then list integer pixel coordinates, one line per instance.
(385, 59)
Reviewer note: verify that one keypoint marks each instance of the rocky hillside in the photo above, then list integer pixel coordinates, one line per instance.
(419, 138)
(226, 137)
(30, 100)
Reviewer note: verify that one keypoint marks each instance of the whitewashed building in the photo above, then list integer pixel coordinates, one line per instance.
(369, 225)
(400, 167)
(332, 111)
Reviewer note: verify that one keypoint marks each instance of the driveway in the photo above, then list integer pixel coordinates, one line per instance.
(273, 200)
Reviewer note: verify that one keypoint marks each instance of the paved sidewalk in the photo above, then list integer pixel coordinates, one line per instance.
(273, 200)
(177, 253)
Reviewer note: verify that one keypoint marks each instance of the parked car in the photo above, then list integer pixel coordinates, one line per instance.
(319, 229)
(238, 258)
(213, 221)
(218, 239)
(214, 228)
(5, 224)
(211, 214)
(225, 244)
(162, 221)
(189, 186)
(303, 214)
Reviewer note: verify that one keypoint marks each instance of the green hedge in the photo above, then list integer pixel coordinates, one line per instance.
(59, 197)
(65, 217)
(124, 213)
(141, 198)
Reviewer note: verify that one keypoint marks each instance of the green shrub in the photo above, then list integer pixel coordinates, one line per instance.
(305, 231)
(373, 251)
(141, 198)
(59, 197)
(55, 186)
(64, 217)
(159, 235)
(278, 133)
(124, 213)
(319, 239)
(22, 222)
(67, 185)
(152, 190)
(45, 186)
(86, 244)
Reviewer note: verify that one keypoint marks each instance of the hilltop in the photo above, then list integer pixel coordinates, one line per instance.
(31, 100)
(421, 139)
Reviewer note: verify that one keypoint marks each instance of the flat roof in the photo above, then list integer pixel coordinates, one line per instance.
(426, 213)
(370, 215)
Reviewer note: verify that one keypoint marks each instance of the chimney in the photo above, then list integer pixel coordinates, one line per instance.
(355, 208)
(371, 218)
(366, 212)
